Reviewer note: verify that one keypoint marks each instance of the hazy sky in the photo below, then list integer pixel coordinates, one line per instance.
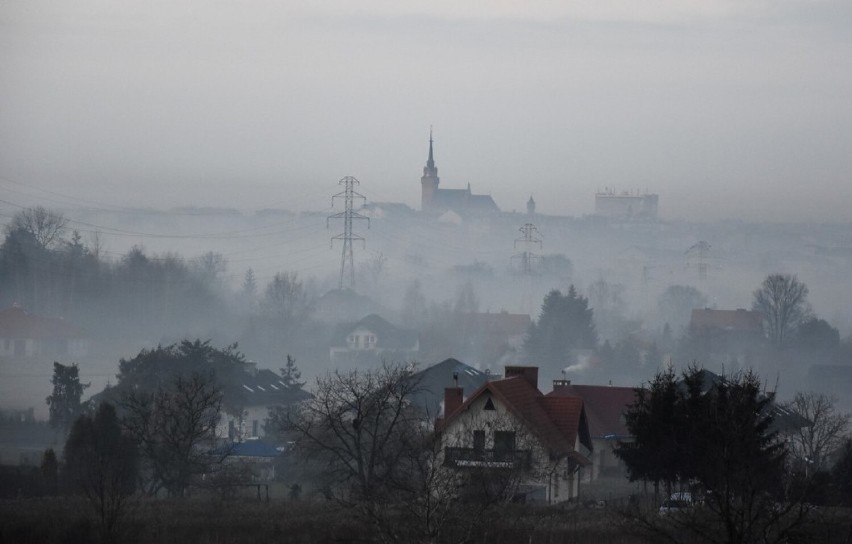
(727, 109)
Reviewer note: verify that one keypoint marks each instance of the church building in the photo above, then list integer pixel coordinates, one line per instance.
(460, 201)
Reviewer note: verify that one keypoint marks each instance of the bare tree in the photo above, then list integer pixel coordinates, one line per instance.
(374, 270)
(363, 432)
(285, 298)
(210, 267)
(175, 428)
(359, 424)
(825, 433)
(378, 454)
(45, 226)
(782, 300)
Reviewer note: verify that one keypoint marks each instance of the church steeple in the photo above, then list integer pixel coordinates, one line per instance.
(430, 162)
(429, 182)
(531, 206)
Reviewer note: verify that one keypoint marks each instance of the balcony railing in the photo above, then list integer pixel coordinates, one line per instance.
(470, 457)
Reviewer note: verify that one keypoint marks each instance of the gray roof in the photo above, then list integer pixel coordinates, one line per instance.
(448, 373)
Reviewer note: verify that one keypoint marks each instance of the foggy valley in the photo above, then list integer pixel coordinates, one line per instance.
(434, 273)
(633, 261)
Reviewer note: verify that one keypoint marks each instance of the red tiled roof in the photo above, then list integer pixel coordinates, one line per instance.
(17, 323)
(604, 405)
(555, 421)
(726, 320)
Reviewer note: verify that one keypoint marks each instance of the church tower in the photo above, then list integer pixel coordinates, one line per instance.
(531, 206)
(429, 181)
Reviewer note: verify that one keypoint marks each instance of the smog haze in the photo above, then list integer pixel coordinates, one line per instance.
(728, 110)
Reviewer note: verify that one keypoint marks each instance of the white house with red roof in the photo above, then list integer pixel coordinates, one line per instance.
(509, 425)
(24, 335)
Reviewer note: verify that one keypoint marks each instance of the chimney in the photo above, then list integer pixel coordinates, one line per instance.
(529, 373)
(561, 384)
(453, 399)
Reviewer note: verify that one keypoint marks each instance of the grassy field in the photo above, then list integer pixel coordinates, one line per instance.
(207, 521)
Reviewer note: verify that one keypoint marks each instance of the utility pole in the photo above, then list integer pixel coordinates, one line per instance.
(529, 240)
(348, 194)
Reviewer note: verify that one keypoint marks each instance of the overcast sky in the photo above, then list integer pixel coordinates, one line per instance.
(727, 109)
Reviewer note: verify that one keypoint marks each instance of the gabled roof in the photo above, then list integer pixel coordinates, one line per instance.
(726, 320)
(556, 421)
(388, 335)
(15, 322)
(264, 388)
(432, 381)
(604, 405)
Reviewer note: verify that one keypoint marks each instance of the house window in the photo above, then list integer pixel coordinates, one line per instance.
(254, 427)
(232, 430)
(504, 443)
(489, 404)
(479, 441)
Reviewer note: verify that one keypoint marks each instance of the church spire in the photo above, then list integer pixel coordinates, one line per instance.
(430, 170)
(430, 180)
(430, 163)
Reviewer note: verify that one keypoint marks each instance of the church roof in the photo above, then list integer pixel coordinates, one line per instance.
(458, 200)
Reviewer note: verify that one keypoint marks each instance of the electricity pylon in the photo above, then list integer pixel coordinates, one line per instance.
(530, 239)
(527, 258)
(348, 194)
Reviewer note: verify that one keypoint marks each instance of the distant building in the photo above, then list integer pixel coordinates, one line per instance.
(625, 205)
(256, 391)
(23, 335)
(739, 322)
(605, 408)
(372, 339)
(461, 201)
(726, 336)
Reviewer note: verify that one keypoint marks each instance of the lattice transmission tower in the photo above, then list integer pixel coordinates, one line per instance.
(349, 195)
(530, 240)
